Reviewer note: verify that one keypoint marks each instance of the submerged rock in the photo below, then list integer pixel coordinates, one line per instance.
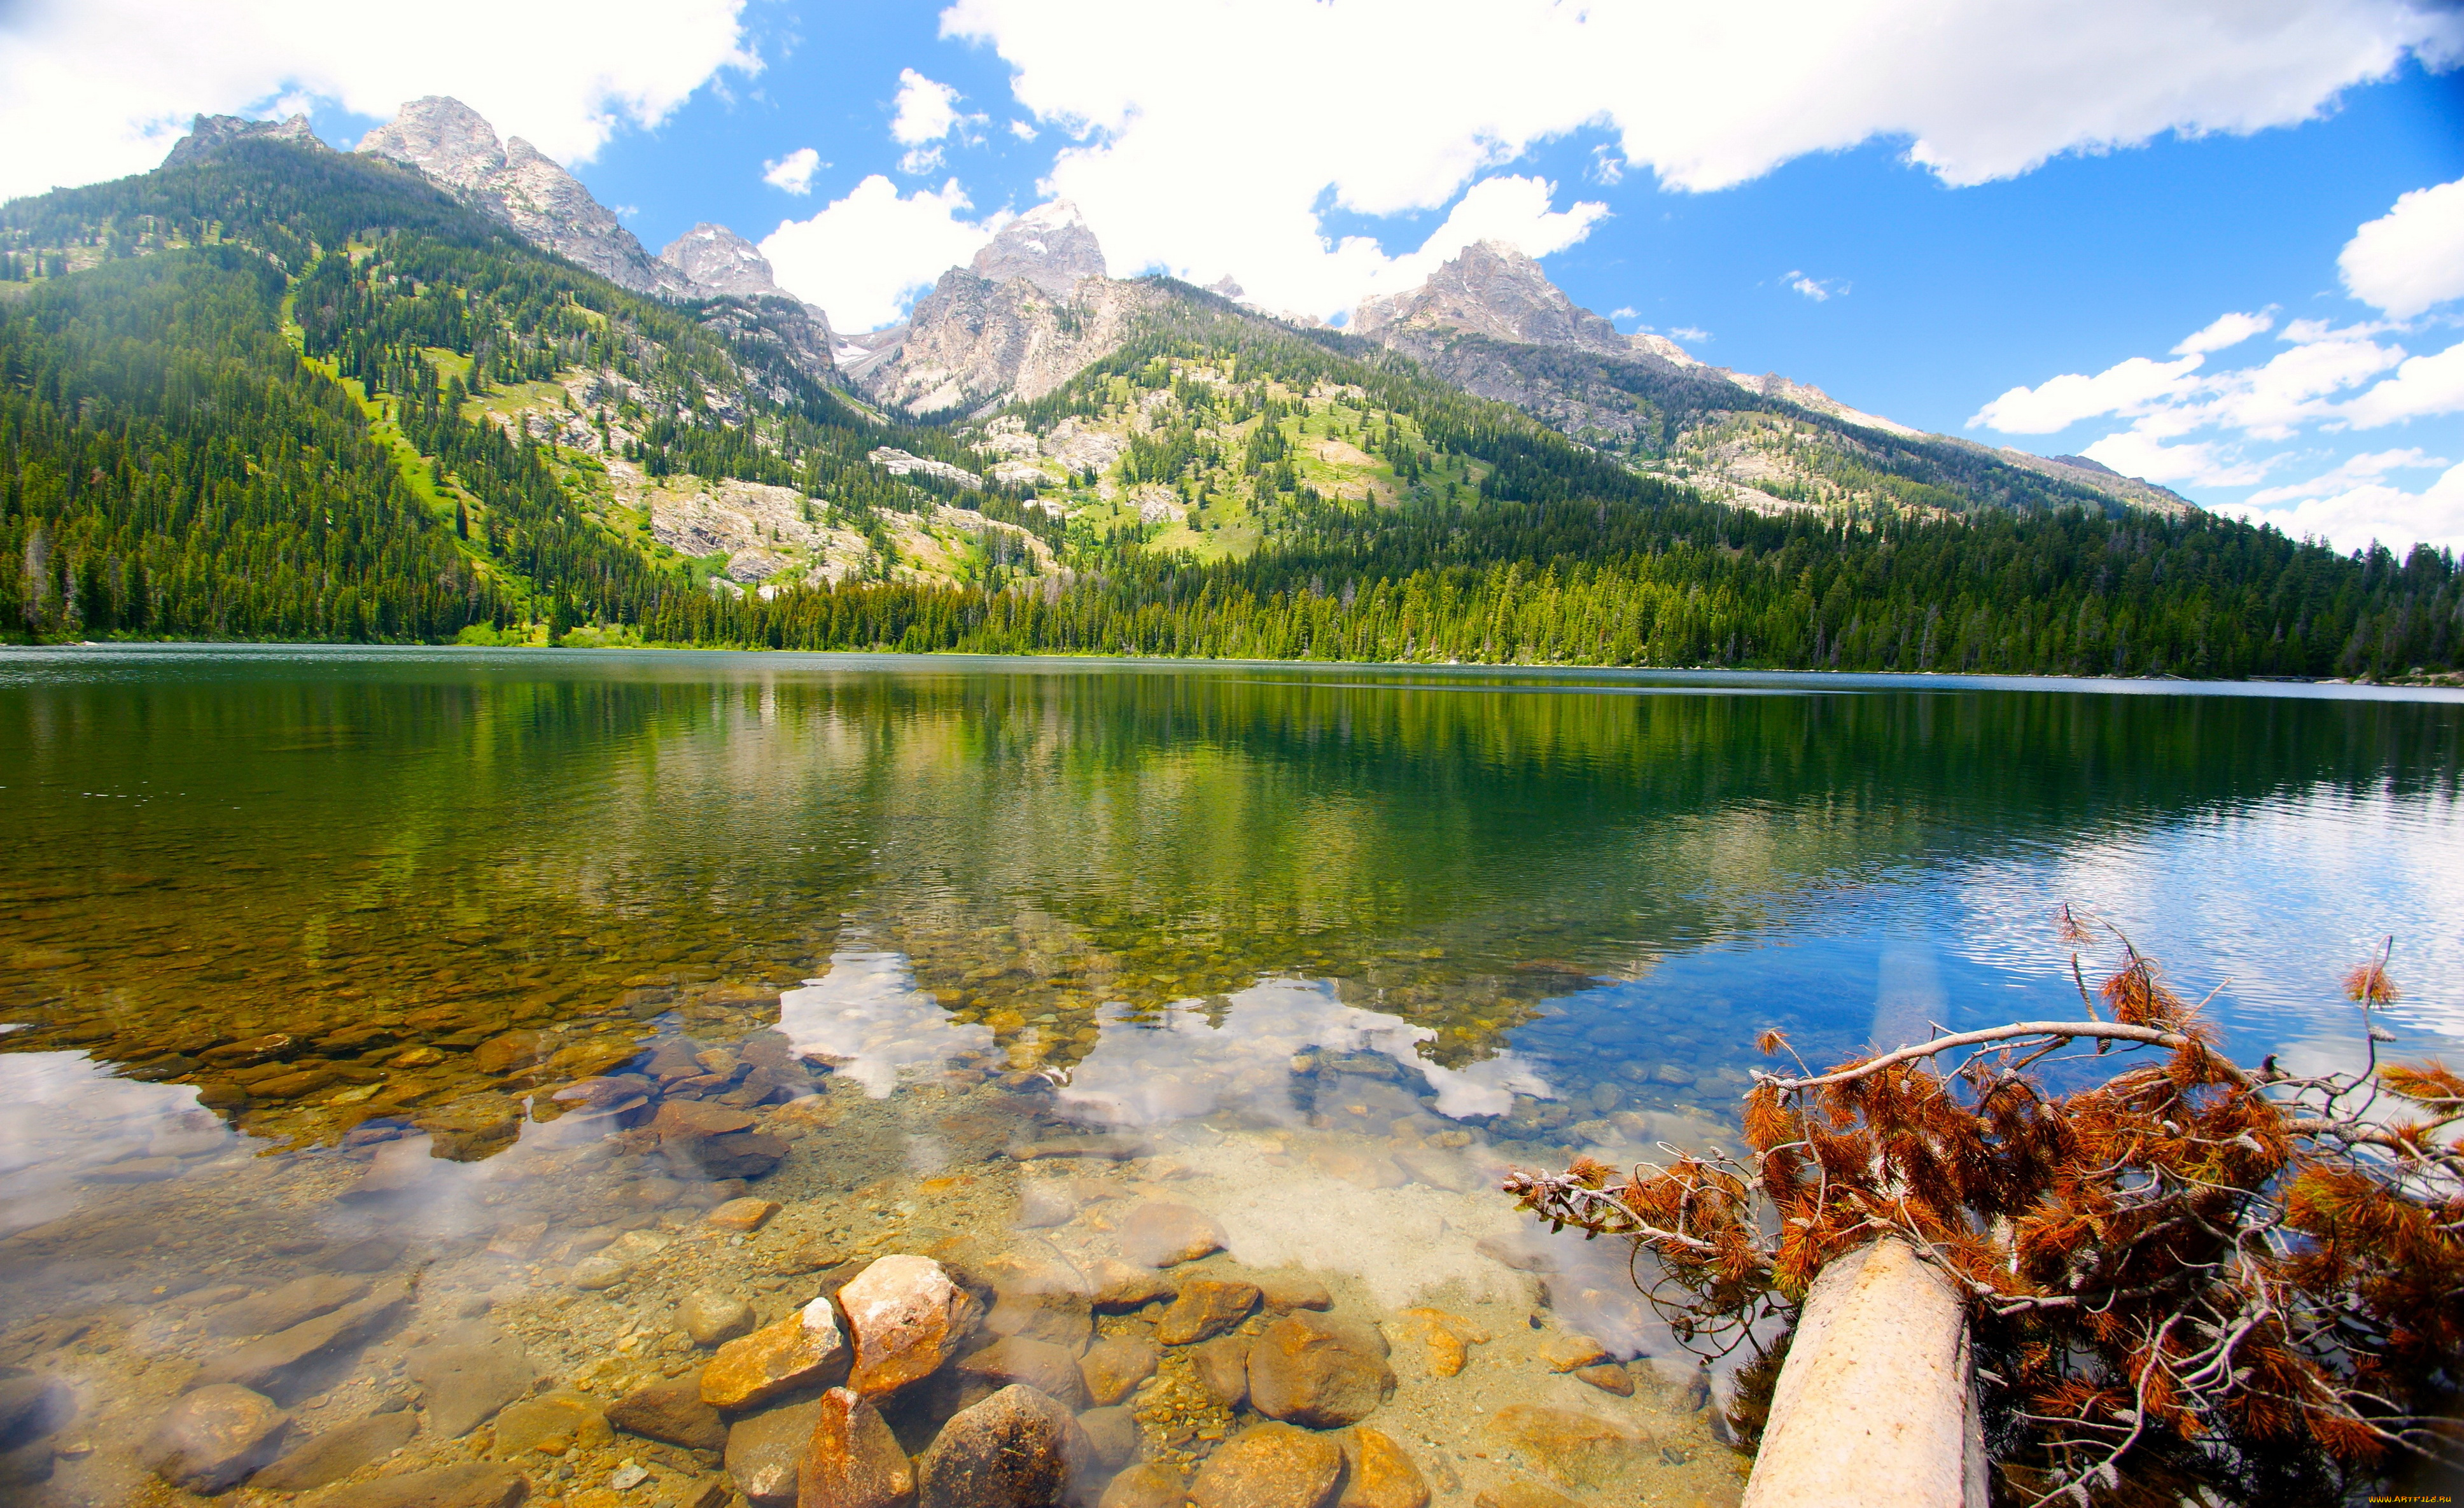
(1583, 1450)
(337, 1452)
(215, 1435)
(1207, 1307)
(1152, 1484)
(1319, 1373)
(765, 1449)
(1269, 1466)
(465, 1383)
(1609, 1378)
(713, 1318)
(1283, 1293)
(1016, 1449)
(906, 1318)
(473, 1484)
(553, 1424)
(284, 1362)
(805, 1349)
(1112, 1368)
(1119, 1287)
(1040, 1365)
(1111, 1433)
(1163, 1234)
(851, 1460)
(1377, 1473)
(1222, 1367)
(672, 1410)
(282, 1308)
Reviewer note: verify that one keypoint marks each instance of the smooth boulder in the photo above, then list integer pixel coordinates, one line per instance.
(672, 1412)
(1269, 1466)
(1309, 1370)
(1016, 1449)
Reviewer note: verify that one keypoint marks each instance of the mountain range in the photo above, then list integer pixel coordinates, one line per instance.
(674, 448)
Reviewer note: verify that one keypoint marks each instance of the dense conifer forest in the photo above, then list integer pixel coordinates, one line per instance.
(248, 399)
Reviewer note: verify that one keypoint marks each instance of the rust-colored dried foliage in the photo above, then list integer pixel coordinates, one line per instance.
(2192, 1278)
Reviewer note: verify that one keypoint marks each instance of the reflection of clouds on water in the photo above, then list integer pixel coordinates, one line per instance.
(867, 1011)
(1195, 1058)
(2277, 900)
(69, 1127)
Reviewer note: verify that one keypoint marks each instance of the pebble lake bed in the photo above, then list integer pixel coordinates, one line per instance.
(443, 1078)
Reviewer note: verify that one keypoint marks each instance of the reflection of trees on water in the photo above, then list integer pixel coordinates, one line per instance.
(486, 842)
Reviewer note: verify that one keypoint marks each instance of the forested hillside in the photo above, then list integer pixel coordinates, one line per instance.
(287, 394)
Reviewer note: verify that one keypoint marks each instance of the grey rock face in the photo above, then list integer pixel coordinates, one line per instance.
(1492, 289)
(515, 183)
(208, 134)
(720, 262)
(1049, 246)
(971, 341)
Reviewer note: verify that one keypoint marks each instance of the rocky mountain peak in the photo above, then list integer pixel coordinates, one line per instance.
(208, 134)
(718, 261)
(1049, 246)
(443, 137)
(1491, 289)
(521, 186)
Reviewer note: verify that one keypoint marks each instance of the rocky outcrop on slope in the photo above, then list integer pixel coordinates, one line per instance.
(719, 262)
(1049, 246)
(775, 329)
(209, 134)
(2081, 472)
(513, 182)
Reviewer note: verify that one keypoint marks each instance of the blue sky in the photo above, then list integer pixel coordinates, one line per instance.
(2003, 225)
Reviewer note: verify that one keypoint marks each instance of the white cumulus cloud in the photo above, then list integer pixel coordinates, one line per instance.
(864, 259)
(2060, 402)
(93, 89)
(2411, 257)
(1208, 134)
(794, 172)
(1819, 289)
(2423, 386)
(927, 110)
(2374, 510)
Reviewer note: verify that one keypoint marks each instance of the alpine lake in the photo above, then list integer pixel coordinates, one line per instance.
(420, 1070)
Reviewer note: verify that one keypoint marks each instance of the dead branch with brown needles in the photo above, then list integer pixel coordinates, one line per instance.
(2192, 1279)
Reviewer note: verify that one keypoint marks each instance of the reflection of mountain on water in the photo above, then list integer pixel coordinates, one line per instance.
(516, 863)
(868, 1015)
(1238, 1053)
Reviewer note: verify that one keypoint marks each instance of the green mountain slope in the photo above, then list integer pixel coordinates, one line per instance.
(283, 393)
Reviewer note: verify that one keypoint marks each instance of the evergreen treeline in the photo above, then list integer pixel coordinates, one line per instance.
(175, 467)
(2067, 593)
(168, 469)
